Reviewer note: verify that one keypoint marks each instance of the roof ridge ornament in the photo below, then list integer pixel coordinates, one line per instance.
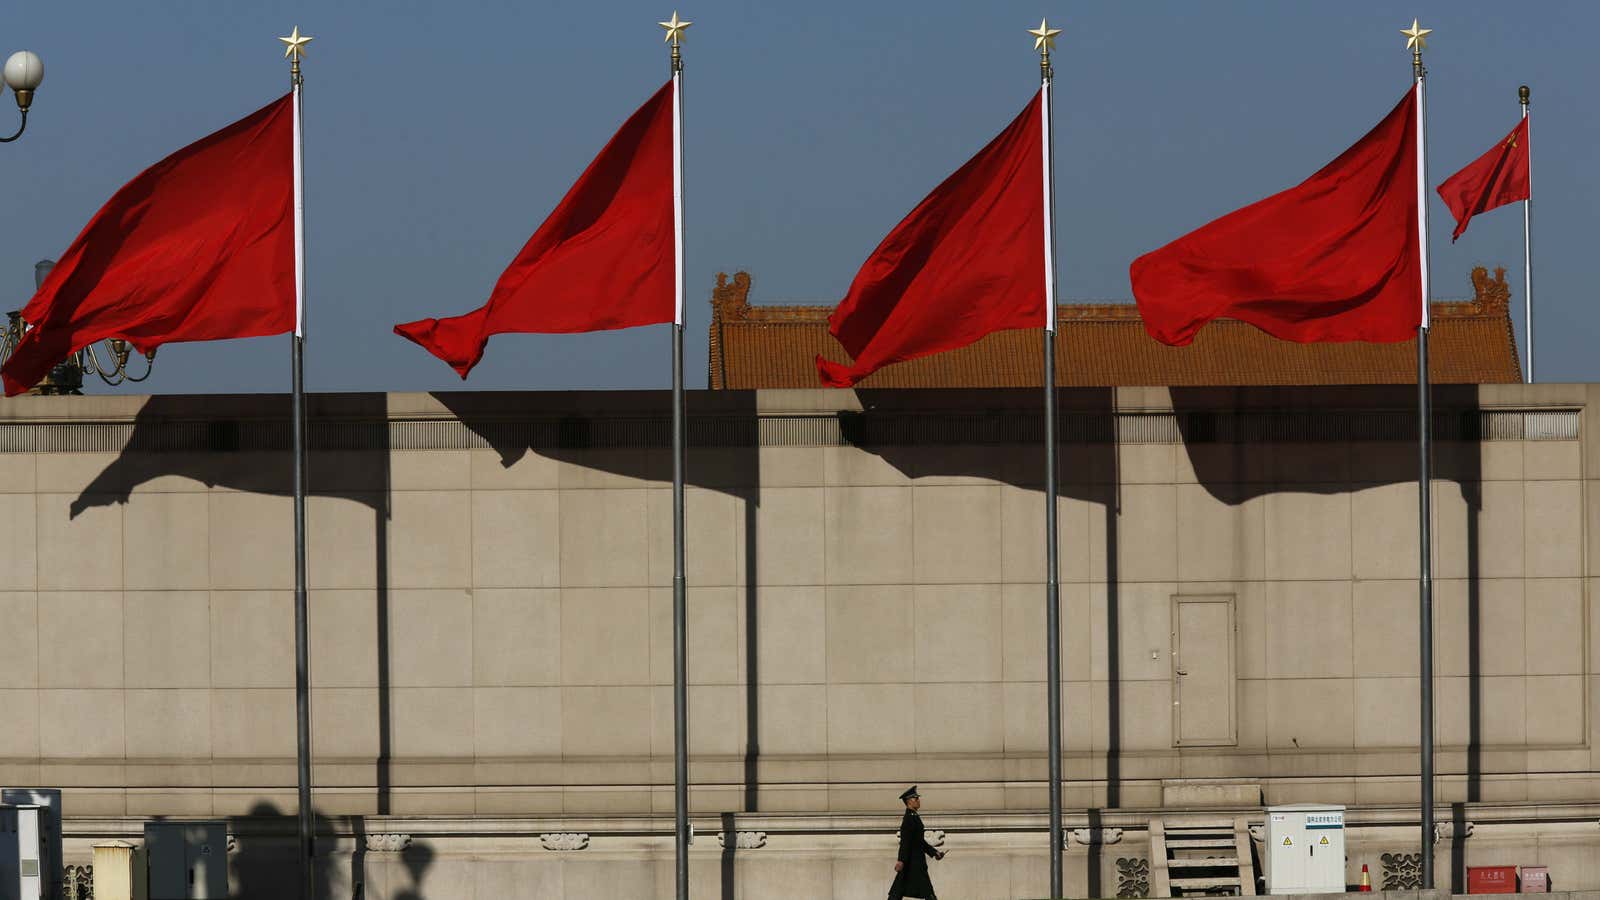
(1491, 294)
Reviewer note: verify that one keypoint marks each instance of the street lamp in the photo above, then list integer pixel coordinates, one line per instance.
(23, 72)
(67, 376)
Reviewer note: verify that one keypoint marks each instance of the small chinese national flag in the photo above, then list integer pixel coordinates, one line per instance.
(1492, 180)
(967, 261)
(604, 259)
(198, 247)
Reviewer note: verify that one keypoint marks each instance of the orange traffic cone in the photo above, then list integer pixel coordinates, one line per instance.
(1366, 880)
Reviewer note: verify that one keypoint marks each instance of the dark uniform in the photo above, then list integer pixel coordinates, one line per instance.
(912, 879)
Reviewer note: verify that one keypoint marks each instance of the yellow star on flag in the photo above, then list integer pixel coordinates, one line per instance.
(1044, 37)
(294, 44)
(1416, 37)
(674, 27)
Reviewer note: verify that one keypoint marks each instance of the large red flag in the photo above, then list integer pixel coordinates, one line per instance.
(967, 261)
(1333, 259)
(1492, 180)
(198, 247)
(604, 258)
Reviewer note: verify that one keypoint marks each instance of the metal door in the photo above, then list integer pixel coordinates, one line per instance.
(169, 870)
(1203, 672)
(188, 860)
(206, 853)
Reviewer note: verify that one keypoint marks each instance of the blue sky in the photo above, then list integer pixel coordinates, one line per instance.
(438, 136)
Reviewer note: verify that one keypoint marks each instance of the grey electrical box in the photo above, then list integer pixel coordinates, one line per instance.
(188, 860)
(51, 863)
(21, 852)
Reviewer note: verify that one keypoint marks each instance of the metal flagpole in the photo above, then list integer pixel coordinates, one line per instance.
(1527, 240)
(680, 628)
(1415, 41)
(1043, 40)
(302, 656)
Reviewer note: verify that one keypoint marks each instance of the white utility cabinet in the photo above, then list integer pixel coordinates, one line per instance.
(21, 850)
(1304, 849)
(50, 862)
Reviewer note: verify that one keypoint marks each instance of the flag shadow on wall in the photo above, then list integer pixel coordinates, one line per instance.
(1245, 444)
(628, 434)
(1350, 439)
(1241, 445)
(242, 444)
(997, 435)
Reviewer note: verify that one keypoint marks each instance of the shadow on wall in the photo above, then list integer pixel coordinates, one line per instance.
(975, 433)
(182, 436)
(1372, 439)
(264, 865)
(1373, 443)
(348, 439)
(1242, 444)
(624, 433)
(351, 440)
(1002, 440)
(262, 861)
(634, 441)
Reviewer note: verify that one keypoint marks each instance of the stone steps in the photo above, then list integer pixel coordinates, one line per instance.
(1174, 849)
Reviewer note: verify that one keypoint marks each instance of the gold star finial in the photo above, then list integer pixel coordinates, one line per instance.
(1416, 36)
(1044, 37)
(295, 44)
(674, 27)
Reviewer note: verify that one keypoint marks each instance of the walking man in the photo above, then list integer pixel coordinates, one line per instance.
(911, 865)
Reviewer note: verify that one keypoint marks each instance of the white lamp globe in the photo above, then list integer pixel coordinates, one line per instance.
(24, 71)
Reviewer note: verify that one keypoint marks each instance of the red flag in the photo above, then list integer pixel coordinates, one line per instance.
(604, 258)
(1332, 259)
(198, 247)
(967, 261)
(1492, 180)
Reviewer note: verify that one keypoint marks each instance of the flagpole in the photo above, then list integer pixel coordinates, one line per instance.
(1044, 39)
(1527, 231)
(302, 655)
(1416, 43)
(680, 651)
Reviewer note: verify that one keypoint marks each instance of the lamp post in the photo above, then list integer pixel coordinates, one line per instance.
(67, 376)
(23, 72)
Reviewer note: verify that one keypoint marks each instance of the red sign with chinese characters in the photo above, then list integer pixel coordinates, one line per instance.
(1491, 879)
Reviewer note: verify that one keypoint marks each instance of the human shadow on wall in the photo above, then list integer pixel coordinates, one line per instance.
(628, 433)
(264, 865)
(1377, 433)
(263, 862)
(415, 859)
(248, 450)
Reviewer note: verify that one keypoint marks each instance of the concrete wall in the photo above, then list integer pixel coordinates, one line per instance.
(490, 602)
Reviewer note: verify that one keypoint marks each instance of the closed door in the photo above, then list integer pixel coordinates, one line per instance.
(1203, 671)
(206, 853)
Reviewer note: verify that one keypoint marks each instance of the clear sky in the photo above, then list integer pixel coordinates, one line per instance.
(438, 136)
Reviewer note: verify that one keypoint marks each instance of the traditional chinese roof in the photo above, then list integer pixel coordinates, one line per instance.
(1105, 345)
